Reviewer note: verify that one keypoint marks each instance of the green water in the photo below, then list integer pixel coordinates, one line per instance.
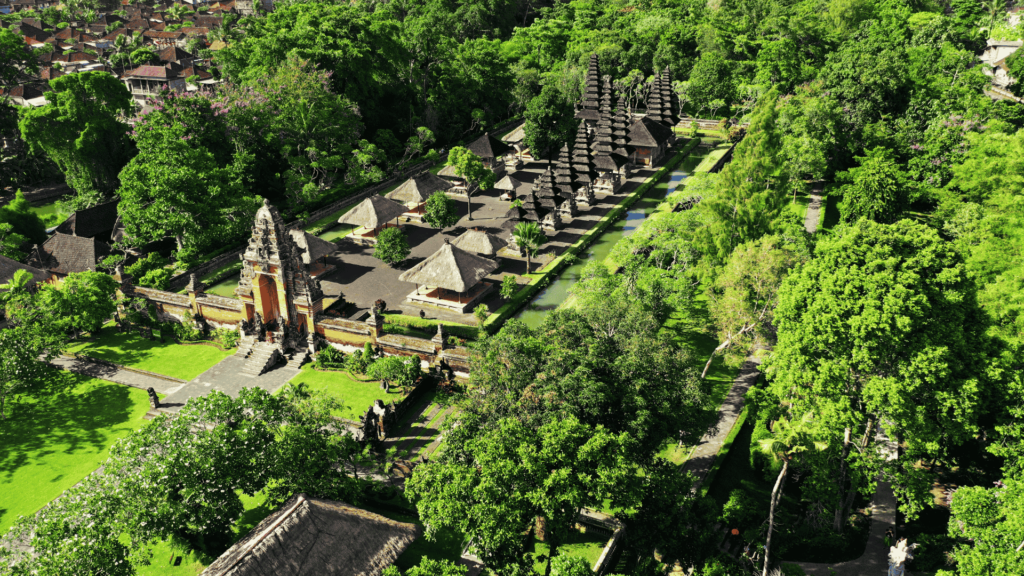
(552, 296)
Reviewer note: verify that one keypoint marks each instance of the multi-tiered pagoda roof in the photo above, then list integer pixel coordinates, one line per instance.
(592, 93)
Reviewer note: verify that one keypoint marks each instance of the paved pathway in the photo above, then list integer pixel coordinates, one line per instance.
(703, 456)
(163, 385)
(226, 376)
(813, 216)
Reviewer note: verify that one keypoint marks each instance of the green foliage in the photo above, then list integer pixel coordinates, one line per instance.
(187, 330)
(509, 286)
(992, 522)
(564, 565)
(428, 567)
(142, 266)
(392, 246)
(23, 221)
(549, 122)
(329, 357)
(226, 338)
(923, 325)
(180, 478)
(481, 312)
(18, 60)
(395, 370)
(440, 211)
(877, 189)
(1015, 63)
(80, 129)
(358, 361)
(710, 81)
(529, 238)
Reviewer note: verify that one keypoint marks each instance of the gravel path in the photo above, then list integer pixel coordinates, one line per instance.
(813, 215)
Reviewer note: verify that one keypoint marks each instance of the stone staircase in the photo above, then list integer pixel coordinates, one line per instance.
(261, 357)
(297, 359)
(245, 344)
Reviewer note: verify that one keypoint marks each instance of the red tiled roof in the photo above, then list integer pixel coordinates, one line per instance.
(163, 35)
(194, 30)
(151, 72)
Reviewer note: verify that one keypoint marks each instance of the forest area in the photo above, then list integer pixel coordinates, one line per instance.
(898, 323)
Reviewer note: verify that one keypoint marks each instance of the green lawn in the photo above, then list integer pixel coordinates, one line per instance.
(52, 440)
(799, 205)
(169, 359)
(225, 288)
(357, 396)
(588, 545)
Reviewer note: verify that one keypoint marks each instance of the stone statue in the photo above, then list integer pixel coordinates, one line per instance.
(257, 326)
(154, 402)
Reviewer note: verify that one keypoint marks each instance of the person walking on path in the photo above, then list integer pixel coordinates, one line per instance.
(899, 555)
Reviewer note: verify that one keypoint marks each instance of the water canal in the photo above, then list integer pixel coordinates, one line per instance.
(552, 296)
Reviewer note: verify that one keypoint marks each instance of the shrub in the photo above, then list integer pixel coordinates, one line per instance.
(157, 278)
(392, 369)
(736, 134)
(481, 313)
(508, 287)
(226, 338)
(741, 511)
(392, 246)
(356, 362)
(329, 357)
(932, 552)
(187, 330)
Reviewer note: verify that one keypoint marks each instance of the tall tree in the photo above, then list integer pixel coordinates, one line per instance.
(883, 323)
(549, 121)
(82, 129)
(440, 211)
(529, 237)
(877, 189)
(82, 302)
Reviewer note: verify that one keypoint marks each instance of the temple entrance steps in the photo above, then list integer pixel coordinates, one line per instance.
(262, 357)
(297, 359)
(245, 344)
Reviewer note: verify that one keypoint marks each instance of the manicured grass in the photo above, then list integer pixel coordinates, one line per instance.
(53, 439)
(44, 210)
(588, 545)
(225, 288)
(799, 204)
(134, 351)
(357, 396)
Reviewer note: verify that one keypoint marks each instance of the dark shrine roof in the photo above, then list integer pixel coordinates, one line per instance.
(91, 221)
(649, 133)
(64, 254)
(488, 146)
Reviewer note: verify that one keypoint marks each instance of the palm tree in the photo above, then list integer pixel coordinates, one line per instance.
(529, 237)
(788, 441)
(996, 11)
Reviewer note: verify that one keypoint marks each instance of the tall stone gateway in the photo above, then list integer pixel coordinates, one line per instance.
(280, 298)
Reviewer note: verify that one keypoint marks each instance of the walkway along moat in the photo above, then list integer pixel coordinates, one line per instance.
(553, 296)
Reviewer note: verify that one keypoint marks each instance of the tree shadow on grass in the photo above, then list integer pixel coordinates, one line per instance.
(67, 417)
(126, 349)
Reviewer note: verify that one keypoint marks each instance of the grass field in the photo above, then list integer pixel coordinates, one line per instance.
(132, 350)
(53, 439)
(357, 396)
(587, 545)
(225, 288)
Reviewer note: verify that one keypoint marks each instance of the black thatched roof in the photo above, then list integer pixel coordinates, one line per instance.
(8, 267)
(64, 254)
(310, 536)
(488, 146)
(648, 133)
(91, 222)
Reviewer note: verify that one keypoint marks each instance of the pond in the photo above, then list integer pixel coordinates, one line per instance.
(553, 296)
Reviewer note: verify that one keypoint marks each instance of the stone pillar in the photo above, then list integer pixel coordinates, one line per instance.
(376, 324)
(194, 288)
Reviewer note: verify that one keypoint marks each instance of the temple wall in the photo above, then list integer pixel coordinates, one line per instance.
(221, 318)
(345, 335)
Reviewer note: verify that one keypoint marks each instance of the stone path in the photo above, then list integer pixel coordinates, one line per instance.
(875, 559)
(813, 216)
(162, 385)
(226, 376)
(704, 455)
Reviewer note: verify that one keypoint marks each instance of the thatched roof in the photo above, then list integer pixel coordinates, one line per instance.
(450, 268)
(488, 146)
(480, 242)
(648, 133)
(515, 213)
(373, 212)
(310, 536)
(418, 188)
(313, 248)
(516, 136)
(508, 183)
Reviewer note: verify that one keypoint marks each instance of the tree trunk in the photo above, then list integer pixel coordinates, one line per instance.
(527, 261)
(848, 502)
(837, 522)
(469, 203)
(178, 240)
(776, 494)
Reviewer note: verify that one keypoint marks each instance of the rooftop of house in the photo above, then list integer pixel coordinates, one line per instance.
(64, 254)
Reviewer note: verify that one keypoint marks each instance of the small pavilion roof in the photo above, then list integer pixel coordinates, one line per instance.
(479, 242)
(649, 133)
(418, 188)
(448, 171)
(609, 162)
(315, 536)
(488, 146)
(373, 212)
(508, 183)
(450, 268)
(313, 247)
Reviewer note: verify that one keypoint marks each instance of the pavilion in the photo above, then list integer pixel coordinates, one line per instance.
(415, 191)
(480, 242)
(450, 278)
(509, 185)
(491, 151)
(371, 216)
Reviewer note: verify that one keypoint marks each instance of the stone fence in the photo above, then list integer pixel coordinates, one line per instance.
(704, 123)
(40, 195)
(717, 167)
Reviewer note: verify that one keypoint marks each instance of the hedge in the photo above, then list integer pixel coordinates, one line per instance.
(723, 452)
(495, 320)
(430, 326)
